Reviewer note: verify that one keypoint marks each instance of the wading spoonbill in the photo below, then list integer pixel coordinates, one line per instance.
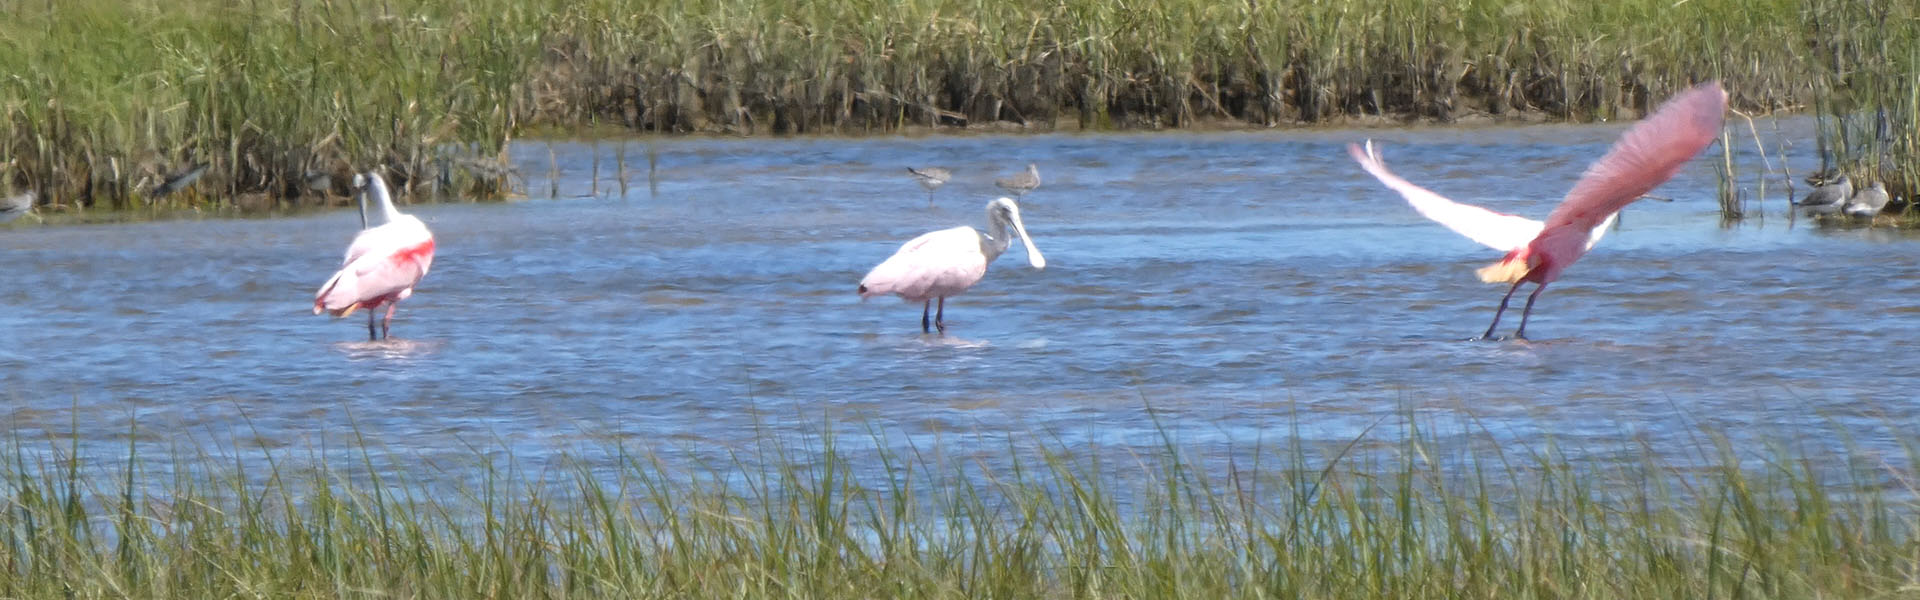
(382, 265)
(1648, 154)
(947, 262)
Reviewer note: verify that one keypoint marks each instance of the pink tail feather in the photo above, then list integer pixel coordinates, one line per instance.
(339, 296)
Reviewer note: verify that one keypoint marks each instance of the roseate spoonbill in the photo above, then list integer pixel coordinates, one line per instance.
(931, 178)
(178, 181)
(1868, 202)
(1021, 183)
(1648, 154)
(382, 265)
(1828, 198)
(947, 262)
(12, 207)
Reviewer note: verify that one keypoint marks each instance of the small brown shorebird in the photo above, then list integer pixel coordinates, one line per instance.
(931, 178)
(12, 207)
(1868, 201)
(1021, 183)
(1829, 198)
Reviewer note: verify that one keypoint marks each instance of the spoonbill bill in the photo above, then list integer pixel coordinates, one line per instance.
(931, 178)
(1648, 154)
(382, 265)
(1021, 183)
(947, 262)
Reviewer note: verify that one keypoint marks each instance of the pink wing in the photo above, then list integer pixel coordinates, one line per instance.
(1647, 155)
(1500, 231)
(383, 265)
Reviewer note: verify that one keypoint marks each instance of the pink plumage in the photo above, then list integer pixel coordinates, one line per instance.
(947, 262)
(1647, 155)
(382, 265)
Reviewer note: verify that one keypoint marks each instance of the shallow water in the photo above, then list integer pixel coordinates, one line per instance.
(1244, 286)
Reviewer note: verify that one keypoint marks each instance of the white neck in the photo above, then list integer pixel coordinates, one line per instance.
(377, 190)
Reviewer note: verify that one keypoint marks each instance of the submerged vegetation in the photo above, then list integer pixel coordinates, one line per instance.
(1411, 518)
(105, 99)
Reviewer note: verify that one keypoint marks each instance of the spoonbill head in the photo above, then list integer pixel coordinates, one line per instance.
(1648, 154)
(945, 263)
(382, 265)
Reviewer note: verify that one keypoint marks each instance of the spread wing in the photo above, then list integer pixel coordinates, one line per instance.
(1647, 155)
(1497, 230)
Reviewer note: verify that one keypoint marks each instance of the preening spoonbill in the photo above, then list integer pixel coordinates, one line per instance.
(931, 178)
(1021, 183)
(1828, 198)
(1868, 201)
(947, 262)
(1648, 154)
(382, 265)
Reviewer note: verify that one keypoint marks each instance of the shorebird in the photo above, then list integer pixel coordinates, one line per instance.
(13, 207)
(1021, 183)
(1829, 198)
(1868, 202)
(947, 262)
(1648, 154)
(319, 182)
(178, 181)
(931, 178)
(382, 265)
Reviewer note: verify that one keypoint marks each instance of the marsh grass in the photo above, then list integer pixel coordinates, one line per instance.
(105, 97)
(1375, 518)
(1867, 94)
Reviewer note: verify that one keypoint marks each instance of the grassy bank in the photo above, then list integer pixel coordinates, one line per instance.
(108, 97)
(806, 520)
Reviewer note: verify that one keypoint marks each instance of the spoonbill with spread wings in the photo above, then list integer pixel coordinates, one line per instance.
(1648, 154)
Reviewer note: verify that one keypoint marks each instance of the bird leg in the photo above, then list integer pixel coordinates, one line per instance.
(940, 317)
(1503, 308)
(371, 336)
(1528, 311)
(387, 324)
(926, 325)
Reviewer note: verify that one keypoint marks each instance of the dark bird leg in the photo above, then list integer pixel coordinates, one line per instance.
(387, 323)
(371, 335)
(926, 325)
(1528, 311)
(940, 318)
(1503, 308)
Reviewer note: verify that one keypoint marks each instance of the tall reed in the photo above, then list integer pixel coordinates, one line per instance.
(1866, 79)
(109, 96)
